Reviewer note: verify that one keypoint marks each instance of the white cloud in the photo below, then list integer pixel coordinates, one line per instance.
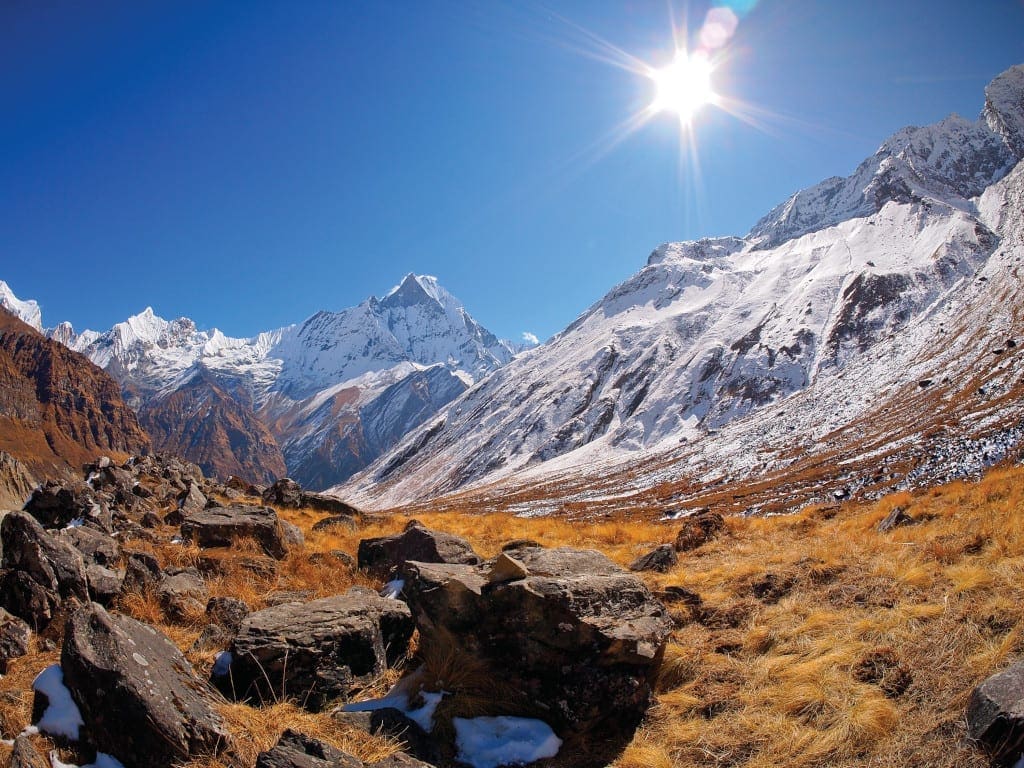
(530, 338)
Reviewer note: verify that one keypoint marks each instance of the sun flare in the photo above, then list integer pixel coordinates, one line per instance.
(684, 86)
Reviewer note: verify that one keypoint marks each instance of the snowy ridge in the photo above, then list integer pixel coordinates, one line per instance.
(316, 384)
(26, 311)
(711, 333)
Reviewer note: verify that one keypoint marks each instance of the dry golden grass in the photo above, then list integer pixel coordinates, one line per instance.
(818, 640)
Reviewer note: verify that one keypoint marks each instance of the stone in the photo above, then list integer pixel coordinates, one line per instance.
(228, 612)
(25, 755)
(578, 637)
(151, 520)
(182, 593)
(95, 546)
(41, 572)
(296, 750)
(336, 555)
(15, 639)
(384, 556)
(995, 715)
(104, 584)
(698, 530)
(506, 568)
(138, 696)
(142, 573)
(661, 559)
(896, 518)
(341, 521)
(317, 651)
(223, 526)
(293, 536)
(190, 501)
(287, 493)
(55, 505)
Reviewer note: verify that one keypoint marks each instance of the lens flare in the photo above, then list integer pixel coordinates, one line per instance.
(684, 86)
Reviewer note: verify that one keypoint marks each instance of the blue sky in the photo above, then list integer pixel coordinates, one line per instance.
(246, 164)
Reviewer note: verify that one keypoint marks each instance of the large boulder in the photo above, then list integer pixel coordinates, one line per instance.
(223, 526)
(384, 556)
(95, 546)
(182, 593)
(995, 715)
(319, 650)
(138, 696)
(40, 571)
(56, 505)
(577, 637)
(287, 493)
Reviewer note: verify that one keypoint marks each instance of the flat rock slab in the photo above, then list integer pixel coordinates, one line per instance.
(223, 526)
(139, 697)
(317, 651)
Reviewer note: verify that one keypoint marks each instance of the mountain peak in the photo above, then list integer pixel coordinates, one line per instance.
(1004, 108)
(26, 311)
(417, 289)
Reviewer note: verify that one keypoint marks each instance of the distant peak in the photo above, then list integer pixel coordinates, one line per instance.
(417, 289)
(27, 311)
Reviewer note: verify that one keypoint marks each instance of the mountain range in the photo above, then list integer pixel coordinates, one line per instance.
(864, 336)
(874, 317)
(317, 400)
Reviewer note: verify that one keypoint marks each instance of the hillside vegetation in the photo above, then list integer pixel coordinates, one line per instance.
(816, 639)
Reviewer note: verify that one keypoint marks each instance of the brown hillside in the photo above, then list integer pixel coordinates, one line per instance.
(56, 407)
(206, 425)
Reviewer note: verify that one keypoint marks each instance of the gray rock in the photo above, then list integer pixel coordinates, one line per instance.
(296, 750)
(40, 571)
(228, 612)
(191, 501)
(896, 518)
(104, 584)
(383, 556)
(95, 546)
(182, 593)
(319, 650)
(341, 521)
(223, 526)
(139, 697)
(660, 559)
(142, 573)
(55, 505)
(15, 639)
(287, 493)
(506, 568)
(293, 536)
(995, 715)
(579, 637)
(24, 755)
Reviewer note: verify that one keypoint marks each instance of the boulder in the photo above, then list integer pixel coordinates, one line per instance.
(40, 571)
(228, 612)
(995, 715)
(896, 518)
(343, 521)
(293, 536)
(319, 650)
(25, 755)
(578, 638)
(190, 502)
(104, 584)
(295, 750)
(287, 493)
(242, 486)
(223, 526)
(699, 529)
(15, 639)
(386, 555)
(138, 696)
(181, 593)
(55, 505)
(95, 546)
(661, 559)
(142, 573)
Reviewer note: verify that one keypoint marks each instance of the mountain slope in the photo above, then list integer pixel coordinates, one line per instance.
(306, 392)
(848, 275)
(56, 407)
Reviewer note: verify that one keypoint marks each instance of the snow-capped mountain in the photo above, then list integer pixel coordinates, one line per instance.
(819, 315)
(26, 311)
(334, 391)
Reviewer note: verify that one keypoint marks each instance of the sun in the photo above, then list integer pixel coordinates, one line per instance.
(684, 86)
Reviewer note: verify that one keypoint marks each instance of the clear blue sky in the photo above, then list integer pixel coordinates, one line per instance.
(248, 163)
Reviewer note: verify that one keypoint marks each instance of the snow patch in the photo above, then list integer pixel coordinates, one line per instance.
(103, 760)
(393, 589)
(489, 742)
(222, 664)
(61, 717)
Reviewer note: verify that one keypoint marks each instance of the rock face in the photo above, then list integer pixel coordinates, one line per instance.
(16, 482)
(40, 572)
(385, 555)
(56, 407)
(223, 526)
(216, 429)
(139, 697)
(995, 715)
(319, 650)
(579, 638)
